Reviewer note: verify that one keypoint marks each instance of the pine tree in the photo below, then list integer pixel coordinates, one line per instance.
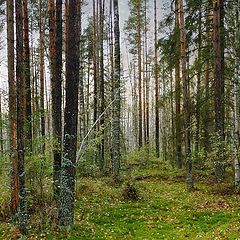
(22, 214)
(68, 176)
(116, 97)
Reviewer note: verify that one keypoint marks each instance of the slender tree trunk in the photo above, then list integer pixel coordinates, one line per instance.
(27, 78)
(146, 76)
(56, 44)
(101, 87)
(68, 177)
(219, 84)
(178, 120)
(236, 104)
(206, 83)
(95, 80)
(186, 96)
(42, 82)
(82, 117)
(139, 57)
(117, 97)
(199, 67)
(12, 108)
(157, 137)
(22, 213)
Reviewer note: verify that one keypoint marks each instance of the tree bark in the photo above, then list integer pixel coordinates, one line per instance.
(22, 212)
(139, 59)
(199, 74)
(218, 47)
(157, 137)
(101, 86)
(186, 98)
(68, 177)
(42, 71)
(237, 103)
(116, 97)
(56, 44)
(27, 78)
(12, 108)
(178, 120)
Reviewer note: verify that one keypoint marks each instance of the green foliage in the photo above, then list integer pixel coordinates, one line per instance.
(165, 209)
(220, 150)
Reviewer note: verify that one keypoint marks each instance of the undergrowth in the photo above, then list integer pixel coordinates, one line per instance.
(151, 203)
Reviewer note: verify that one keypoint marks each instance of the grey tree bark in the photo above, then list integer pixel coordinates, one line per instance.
(117, 97)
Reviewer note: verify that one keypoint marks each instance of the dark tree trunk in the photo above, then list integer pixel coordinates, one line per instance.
(186, 98)
(139, 56)
(27, 78)
(218, 46)
(12, 108)
(101, 86)
(178, 120)
(116, 97)
(157, 130)
(199, 74)
(22, 213)
(56, 44)
(42, 82)
(68, 177)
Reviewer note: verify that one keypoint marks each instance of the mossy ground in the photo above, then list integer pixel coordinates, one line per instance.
(164, 210)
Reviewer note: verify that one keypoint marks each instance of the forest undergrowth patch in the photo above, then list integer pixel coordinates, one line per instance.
(151, 203)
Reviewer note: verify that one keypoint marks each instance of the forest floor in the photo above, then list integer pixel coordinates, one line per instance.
(160, 208)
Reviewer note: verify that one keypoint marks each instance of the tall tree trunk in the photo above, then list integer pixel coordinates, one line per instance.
(218, 46)
(68, 177)
(139, 59)
(178, 120)
(186, 96)
(82, 118)
(22, 213)
(236, 103)
(101, 87)
(157, 137)
(12, 108)
(116, 97)
(146, 75)
(56, 44)
(199, 67)
(42, 72)
(27, 78)
(206, 83)
(95, 79)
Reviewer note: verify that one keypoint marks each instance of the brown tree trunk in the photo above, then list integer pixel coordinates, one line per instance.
(199, 74)
(157, 137)
(12, 108)
(101, 86)
(27, 78)
(56, 43)
(146, 75)
(116, 154)
(42, 72)
(95, 85)
(218, 47)
(186, 98)
(178, 120)
(20, 116)
(68, 177)
(139, 59)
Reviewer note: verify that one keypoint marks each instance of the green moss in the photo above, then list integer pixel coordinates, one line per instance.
(165, 210)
